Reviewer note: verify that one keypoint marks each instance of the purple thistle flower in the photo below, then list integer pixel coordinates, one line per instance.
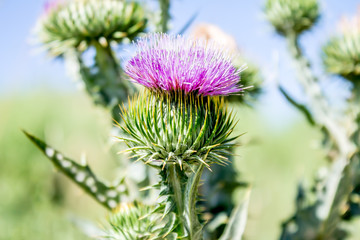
(170, 63)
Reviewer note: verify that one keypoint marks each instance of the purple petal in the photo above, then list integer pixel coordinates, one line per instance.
(168, 63)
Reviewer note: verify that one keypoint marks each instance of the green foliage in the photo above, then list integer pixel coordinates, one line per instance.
(319, 212)
(292, 16)
(82, 175)
(218, 190)
(76, 24)
(104, 80)
(237, 222)
(34, 202)
(176, 128)
(341, 56)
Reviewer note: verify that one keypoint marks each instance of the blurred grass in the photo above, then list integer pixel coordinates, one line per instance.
(33, 202)
(37, 203)
(273, 160)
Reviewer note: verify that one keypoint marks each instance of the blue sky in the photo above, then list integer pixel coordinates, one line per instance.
(24, 69)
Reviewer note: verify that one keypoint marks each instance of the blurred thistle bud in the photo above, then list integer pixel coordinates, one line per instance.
(74, 24)
(292, 16)
(138, 221)
(249, 77)
(210, 32)
(341, 53)
(181, 118)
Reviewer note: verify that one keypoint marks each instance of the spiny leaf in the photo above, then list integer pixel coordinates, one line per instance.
(108, 196)
(236, 226)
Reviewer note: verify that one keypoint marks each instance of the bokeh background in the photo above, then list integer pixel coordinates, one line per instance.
(278, 150)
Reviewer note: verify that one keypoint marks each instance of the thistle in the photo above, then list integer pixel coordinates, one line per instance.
(68, 25)
(180, 118)
(292, 16)
(180, 124)
(341, 53)
(137, 221)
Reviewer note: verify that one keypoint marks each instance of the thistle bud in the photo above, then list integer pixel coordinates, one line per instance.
(138, 221)
(292, 16)
(341, 53)
(177, 128)
(75, 24)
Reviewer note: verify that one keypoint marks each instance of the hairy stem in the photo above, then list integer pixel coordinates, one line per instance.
(165, 15)
(182, 193)
(337, 185)
(104, 79)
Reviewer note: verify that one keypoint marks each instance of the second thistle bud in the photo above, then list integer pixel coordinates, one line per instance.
(292, 16)
(74, 24)
(181, 118)
(138, 221)
(341, 53)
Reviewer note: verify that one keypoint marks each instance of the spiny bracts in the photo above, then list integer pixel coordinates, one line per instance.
(132, 221)
(292, 16)
(68, 25)
(341, 55)
(177, 128)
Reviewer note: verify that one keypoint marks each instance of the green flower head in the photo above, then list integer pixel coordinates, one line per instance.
(75, 24)
(177, 128)
(341, 55)
(292, 16)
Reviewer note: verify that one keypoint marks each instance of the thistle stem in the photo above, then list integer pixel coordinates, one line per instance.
(337, 187)
(114, 89)
(183, 192)
(104, 80)
(165, 15)
(175, 178)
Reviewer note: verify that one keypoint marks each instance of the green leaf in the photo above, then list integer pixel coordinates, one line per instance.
(236, 226)
(190, 211)
(302, 108)
(188, 23)
(81, 175)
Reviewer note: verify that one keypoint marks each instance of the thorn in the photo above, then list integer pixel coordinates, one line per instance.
(145, 188)
(83, 160)
(180, 163)
(163, 166)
